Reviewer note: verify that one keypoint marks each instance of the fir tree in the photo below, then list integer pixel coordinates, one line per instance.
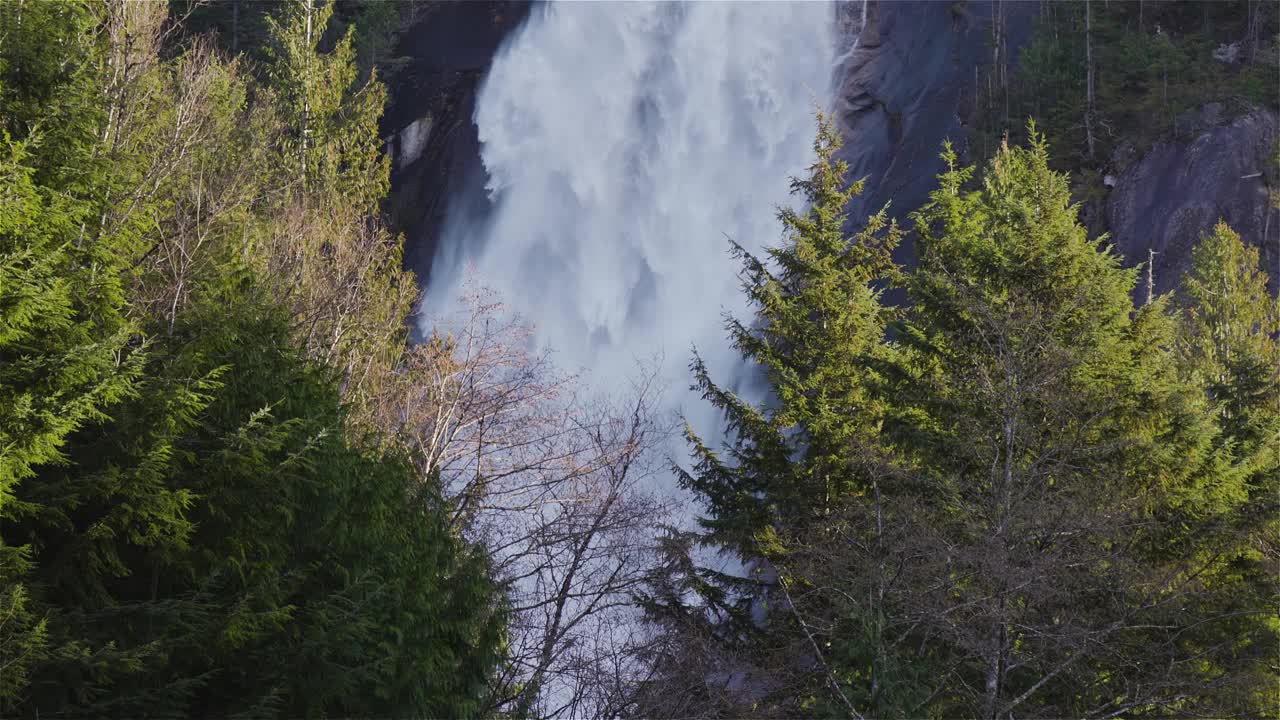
(819, 315)
(1229, 344)
(800, 457)
(1230, 338)
(333, 145)
(1044, 430)
(67, 351)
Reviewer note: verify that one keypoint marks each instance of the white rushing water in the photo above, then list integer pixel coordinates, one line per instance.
(623, 143)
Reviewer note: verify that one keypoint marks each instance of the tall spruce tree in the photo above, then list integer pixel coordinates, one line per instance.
(799, 456)
(819, 315)
(64, 336)
(1045, 432)
(1229, 344)
(1230, 340)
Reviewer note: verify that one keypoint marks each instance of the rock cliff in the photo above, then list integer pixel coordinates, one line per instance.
(428, 124)
(1224, 170)
(908, 87)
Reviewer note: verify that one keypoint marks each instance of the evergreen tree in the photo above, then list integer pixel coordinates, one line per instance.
(331, 260)
(196, 529)
(221, 548)
(1045, 432)
(63, 334)
(67, 351)
(1019, 503)
(333, 144)
(818, 316)
(798, 458)
(1229, 344)
(1230, 339)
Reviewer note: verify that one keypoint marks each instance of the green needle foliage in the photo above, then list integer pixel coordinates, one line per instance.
(1229, 345)
(192, 521)
(781, 486)
(1042, 416)
(1019, 495)
(819, 314)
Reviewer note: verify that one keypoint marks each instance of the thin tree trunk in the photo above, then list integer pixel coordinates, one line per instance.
(878, 669)
(1088, 49)
(1151, 278)
(991, 695)
(995, 31)
(306, 95)
(235, 26)
(1256, 27)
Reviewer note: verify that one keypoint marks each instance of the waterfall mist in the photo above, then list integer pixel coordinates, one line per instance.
(623, 143)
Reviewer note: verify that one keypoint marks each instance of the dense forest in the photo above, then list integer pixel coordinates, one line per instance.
(205, 511)
(1008, 480)
(1023, 494)
(1108, 79)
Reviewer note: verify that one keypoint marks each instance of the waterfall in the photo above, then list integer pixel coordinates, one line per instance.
(623, 143)
(856, 32)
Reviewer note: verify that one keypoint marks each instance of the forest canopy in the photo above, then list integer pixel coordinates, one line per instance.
(199, 512)
(1027, 491)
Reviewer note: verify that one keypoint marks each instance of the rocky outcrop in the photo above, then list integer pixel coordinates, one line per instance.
(907, 87)
(406, 146)
(1179, 189)
(430, 137)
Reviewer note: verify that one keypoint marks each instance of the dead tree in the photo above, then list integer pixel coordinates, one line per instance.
(558, 487)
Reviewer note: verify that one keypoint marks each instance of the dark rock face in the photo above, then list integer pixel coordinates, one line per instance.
(906, 89)
(448, 51)
(1180, 189)
(912, 80)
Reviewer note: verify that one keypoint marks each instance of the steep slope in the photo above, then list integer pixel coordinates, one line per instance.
(908, 87)
(1169, 198)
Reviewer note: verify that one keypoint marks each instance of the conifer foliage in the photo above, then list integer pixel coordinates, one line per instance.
(192, 520)
(1017, 495)
(820, 313)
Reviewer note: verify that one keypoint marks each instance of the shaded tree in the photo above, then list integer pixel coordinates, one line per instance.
(190, 521)
(557, 485)
(793, 462)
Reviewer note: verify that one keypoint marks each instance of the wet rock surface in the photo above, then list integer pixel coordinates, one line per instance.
(906, 89)
(901, 93)
(432, 139)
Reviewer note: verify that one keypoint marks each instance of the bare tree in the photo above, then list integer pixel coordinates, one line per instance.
(558, 487)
